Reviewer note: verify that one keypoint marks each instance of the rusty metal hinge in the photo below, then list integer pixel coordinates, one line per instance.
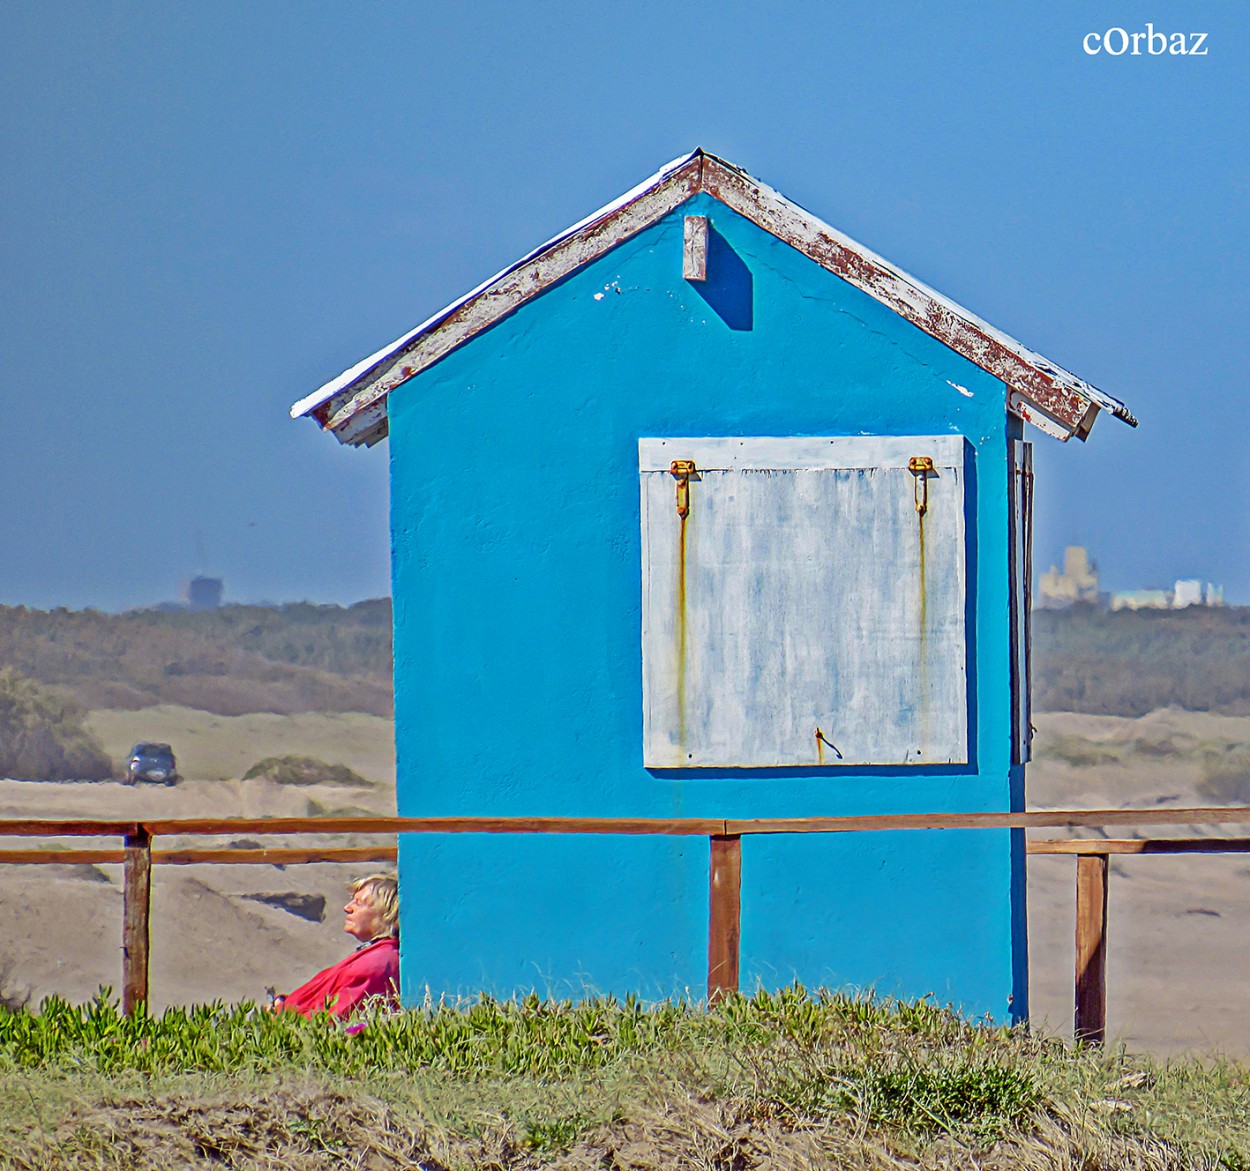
(921, 466)
(683, 472)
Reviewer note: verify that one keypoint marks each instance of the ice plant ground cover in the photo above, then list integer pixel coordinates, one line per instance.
(793, 1079)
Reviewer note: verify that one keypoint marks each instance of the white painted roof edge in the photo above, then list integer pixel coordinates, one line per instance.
(331, 388)
(1031, 357)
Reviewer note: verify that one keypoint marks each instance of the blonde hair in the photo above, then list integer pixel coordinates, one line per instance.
(382, 892)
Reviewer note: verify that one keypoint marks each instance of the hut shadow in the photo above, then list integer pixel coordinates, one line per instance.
(729, 289)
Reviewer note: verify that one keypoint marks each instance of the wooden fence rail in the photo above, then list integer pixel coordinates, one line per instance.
(137, 858)
(689, 827)
(1093, 857)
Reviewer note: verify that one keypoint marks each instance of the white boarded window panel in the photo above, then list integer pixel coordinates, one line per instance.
(809, 594)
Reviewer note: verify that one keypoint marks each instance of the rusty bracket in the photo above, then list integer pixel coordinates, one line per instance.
(683, 472)
(821, 741)
(921, 466)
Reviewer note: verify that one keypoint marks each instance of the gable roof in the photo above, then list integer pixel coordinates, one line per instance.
(353, 405)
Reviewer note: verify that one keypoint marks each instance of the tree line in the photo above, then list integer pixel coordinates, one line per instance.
(229, 661)
(57, 664)
(1129, 663)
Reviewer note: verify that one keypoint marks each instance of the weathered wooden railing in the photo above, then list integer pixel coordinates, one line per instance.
(1093, 856)
(725, 869)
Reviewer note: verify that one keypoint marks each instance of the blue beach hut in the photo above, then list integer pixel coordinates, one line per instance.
(703, 509)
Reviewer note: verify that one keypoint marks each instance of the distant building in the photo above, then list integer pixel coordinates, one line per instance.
(202, 593)
(1187, 592)
(1142, 600)
(1191, 592)
(1077, 583)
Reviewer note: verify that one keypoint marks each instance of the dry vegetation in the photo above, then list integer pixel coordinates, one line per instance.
(304, 770)
(792, 1081)
(302, 658)
(238, 659)
(785, 1080)
(1210, 753)
(44, 734)
(1130, 663)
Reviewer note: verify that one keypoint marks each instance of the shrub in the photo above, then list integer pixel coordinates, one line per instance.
(304, 770)
(1226, 780)
(1078, 751)
(43, 736)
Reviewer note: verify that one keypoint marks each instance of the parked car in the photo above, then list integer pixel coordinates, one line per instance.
(151, 762)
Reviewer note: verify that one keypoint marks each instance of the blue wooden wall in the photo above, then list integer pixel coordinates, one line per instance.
(516, 558)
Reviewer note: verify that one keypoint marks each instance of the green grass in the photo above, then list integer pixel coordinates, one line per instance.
(791, 1078)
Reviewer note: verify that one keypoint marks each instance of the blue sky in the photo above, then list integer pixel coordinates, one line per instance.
(210, 209)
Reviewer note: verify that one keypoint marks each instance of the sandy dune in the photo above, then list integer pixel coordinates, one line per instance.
(218, 932)
(215, 748)
(1177, 924)
(212, 935)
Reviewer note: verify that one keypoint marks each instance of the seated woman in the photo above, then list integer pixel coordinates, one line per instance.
(371, 970)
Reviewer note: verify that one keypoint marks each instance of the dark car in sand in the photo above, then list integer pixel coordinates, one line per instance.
(150, 761)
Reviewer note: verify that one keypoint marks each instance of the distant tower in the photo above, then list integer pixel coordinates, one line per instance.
(1077, 583)
(1187, 593)
(203, 593)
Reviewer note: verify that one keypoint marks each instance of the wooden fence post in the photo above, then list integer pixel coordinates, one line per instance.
(724, 916)
(1091, 948)
(136, 906)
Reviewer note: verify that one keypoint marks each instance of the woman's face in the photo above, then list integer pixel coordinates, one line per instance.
(363, 920)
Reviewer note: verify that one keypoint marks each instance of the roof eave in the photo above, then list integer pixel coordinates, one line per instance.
(370, 381)
(353, 406)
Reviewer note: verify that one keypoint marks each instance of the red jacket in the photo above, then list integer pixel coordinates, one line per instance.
(372, 970)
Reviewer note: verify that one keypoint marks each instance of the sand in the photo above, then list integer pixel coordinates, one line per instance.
(214, 748)
(1176, 924)
(218, 932)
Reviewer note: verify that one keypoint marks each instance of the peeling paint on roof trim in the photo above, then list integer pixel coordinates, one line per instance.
(511, 289)
(1063, 396)
(384, 361)
(353, 405)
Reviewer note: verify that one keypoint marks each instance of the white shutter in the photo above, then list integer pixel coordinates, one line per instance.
(808, 591)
